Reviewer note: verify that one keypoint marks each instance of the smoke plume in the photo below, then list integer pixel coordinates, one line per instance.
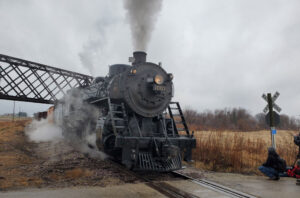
(93, 51)
(78, 128)
(142, 15)
(43, 131)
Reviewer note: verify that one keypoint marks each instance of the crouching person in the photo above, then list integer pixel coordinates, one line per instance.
(274, 166)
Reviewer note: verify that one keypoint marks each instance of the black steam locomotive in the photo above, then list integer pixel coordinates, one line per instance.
(131, 112)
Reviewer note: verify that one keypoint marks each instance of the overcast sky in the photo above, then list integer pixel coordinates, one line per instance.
(222, 53)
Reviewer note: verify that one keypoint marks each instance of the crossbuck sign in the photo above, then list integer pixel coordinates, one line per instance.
(272, 117)
(275, 106)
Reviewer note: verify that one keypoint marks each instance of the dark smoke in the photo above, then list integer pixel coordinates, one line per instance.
(142, 15)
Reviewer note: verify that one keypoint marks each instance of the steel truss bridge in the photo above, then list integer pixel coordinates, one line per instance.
(23, 80)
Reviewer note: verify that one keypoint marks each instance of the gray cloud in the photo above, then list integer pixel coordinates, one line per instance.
(222, 54)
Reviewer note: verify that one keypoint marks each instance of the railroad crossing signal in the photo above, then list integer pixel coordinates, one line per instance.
(275, 106)
(272, 118)
(276, 118)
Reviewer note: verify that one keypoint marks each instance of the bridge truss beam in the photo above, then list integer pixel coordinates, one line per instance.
(23, 80)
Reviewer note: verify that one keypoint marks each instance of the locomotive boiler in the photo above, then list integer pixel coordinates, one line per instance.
(131, 112)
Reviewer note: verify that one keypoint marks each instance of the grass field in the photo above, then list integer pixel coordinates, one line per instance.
(15, 154)
(49, 164)
(240, 152)
(9, 119)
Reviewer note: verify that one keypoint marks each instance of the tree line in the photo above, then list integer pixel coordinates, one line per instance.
(235, 119)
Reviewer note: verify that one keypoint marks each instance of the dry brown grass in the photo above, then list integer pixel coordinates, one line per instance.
(240, 152)
(47, 164)
(14, 154)
(10, 119)
(227, 151)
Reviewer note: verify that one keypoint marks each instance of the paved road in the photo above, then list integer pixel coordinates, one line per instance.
(121, 191)
(259, 186)
(256, 185)
(127, 190)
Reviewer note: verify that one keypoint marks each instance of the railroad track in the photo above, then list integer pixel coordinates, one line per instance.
(216, 187)
(174, 192)
(162, 187)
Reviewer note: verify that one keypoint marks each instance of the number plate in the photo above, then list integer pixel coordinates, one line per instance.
(159, 88)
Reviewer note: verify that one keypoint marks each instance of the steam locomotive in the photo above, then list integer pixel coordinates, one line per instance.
(131, 113)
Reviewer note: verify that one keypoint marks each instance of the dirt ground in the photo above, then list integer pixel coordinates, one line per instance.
(49, 164)
(56, 165)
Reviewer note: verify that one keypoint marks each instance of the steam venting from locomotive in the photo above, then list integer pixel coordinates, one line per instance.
(128, 114)
(142, 15)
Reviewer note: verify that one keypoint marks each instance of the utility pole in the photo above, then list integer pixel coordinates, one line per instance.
(14, 111)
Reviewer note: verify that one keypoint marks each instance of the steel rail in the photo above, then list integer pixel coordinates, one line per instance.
(161, 186)
(173, 192)
(216, 187)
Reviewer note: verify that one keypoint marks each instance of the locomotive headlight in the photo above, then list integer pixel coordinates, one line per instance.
(158, 79)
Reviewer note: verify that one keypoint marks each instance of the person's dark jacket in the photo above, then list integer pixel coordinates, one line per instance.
(274, 161)
(297, 140)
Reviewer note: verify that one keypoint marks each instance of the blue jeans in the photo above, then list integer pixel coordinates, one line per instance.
(268, 171)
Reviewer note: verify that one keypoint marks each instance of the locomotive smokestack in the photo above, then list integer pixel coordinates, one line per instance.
(139, 57)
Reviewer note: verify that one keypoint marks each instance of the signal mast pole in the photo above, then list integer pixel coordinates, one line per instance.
(272, 118)
(14, 111)
(272, 127)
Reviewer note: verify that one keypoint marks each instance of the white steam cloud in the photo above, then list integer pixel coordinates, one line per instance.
(142, 15)
(43, 131)
(77, 128)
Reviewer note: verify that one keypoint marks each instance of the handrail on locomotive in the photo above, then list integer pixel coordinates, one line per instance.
(129, 110)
